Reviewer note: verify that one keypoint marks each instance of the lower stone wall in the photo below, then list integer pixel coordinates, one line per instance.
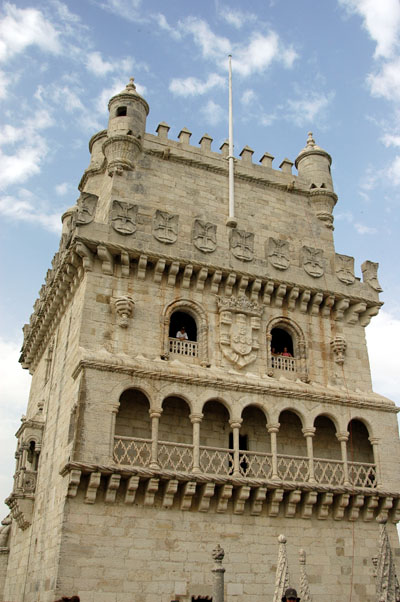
(120, 552)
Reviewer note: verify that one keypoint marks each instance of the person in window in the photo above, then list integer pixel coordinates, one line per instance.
(286, 353)
(290, 594)
(182, 334)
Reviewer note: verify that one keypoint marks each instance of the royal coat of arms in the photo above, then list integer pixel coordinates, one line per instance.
(278, 253)
(242, 244)
(370, 275)
(239, 329)
(313, 261)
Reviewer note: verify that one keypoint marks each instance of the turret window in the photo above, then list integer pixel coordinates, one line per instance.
(121, 112)
(183, 334)
(281, 343)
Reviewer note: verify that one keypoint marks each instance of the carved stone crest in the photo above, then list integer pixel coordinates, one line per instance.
(345, 268)
(86, 208)
(242, 244)
(204, 236)
(278, 253)
(313, 261)
(239, 329)
(123, 217)
(370, 275)
(165, 226)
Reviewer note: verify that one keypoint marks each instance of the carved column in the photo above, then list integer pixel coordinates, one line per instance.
(196, 420)
(218, 574)
(269, 365)
(114, 412)
(235, 426)
(375, 449)
(273, 429)
(343, 438)
(309, 434)
(155, 419)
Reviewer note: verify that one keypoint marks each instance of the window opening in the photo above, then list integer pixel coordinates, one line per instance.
(281, 343)
(181, 320)
(243, 446)
(121, 112)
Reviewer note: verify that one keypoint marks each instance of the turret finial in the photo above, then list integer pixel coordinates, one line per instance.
(310, 140)
(131, 85)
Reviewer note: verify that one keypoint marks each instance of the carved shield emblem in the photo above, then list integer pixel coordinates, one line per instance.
(278, 253)
(241, 336)
(165, 227)
(123, 217)
(345, 268)
(370, 275)
(242, 244)
(313, 261)
(204, 236)
(86, 208)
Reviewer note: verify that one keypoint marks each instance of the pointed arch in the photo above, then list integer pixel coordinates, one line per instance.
(298, 341)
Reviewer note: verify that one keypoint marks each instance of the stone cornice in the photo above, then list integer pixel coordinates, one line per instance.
(221, 381)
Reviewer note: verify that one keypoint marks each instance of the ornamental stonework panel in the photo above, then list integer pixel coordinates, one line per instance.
(124, 217)
(242, 244)
(86, 208)
(240, 321)
(313, 261)
(344, 268)
(278, 253)
(165, 227)
(204, 236)
(370, 275)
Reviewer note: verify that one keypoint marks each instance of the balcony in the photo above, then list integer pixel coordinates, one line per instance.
(283, 363)
(183, 347)
(216, 461)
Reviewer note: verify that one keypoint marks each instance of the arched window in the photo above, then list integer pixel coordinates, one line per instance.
(362, 469)
(181, 323)
(286, 349)
(185, 331)
(132, 439)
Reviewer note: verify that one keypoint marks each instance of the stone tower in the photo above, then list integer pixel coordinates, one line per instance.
(195, 384)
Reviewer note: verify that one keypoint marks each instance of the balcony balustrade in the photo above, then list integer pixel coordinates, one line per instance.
(179, 457)
(283, 363)
(183, 347)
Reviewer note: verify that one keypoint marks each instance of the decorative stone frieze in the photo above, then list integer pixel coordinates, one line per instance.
(313, 261)
(279, 253)
(123, 217)
(204, 236)
(241, 244)
(165, 227)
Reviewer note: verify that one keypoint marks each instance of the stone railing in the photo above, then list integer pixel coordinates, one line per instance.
(183, 347)
(180, 457)
(284, 363)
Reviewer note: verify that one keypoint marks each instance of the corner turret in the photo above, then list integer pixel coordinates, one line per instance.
(126, 128)
(314, 165)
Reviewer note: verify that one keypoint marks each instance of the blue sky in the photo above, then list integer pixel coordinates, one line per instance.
(330, 67)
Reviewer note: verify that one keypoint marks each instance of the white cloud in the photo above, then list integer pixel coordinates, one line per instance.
(27, 208)
(162, 23)
(96, 65)
(386, 82)
(260, 53)
(126, 9)
(362, 229)
(381, 19)
(63, 188)
(383, 335)
(248, 97)
(213, 113)
(308, 107)
(392, 173)
(23, 27)
(236, 18)
(212, 46)
(192, 86)
(391, 139)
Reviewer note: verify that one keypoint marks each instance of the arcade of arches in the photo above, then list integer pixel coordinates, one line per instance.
(211, 442)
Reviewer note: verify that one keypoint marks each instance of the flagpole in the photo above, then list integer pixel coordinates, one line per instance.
(231, 219)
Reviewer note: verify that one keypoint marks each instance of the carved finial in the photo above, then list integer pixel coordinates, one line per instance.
(131, 85)
(305, 594)
(218, 554)
(310, 139)
(282, 571)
